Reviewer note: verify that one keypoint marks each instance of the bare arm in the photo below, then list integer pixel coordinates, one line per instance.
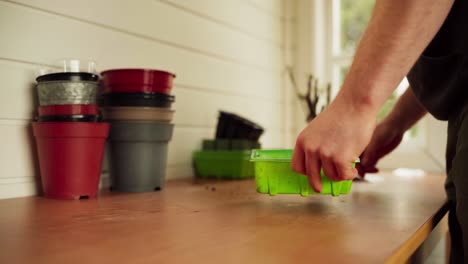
(397, 34)
(389, 133)
(406, 112)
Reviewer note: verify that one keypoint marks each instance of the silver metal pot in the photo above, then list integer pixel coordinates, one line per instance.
(67, 92)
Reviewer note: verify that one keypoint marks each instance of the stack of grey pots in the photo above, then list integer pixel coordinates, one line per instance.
(137, 103)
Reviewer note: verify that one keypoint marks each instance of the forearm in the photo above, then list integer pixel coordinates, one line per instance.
(406, 112)
(397, 34)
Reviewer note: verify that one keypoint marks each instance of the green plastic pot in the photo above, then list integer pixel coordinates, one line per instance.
(223, 164)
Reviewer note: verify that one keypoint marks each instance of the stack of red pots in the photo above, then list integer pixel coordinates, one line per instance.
(138, 102)
(69, 135)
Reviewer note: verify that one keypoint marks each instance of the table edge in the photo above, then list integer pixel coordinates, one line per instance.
(409, 247)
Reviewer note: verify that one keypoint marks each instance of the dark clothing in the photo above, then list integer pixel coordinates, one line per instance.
(440, 76)
(456, 239)
(439, 80)
(457, 183)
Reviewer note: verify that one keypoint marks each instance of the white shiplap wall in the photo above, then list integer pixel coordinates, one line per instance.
(227, 54)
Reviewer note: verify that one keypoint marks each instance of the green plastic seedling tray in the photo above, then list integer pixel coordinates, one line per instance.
(273, 175)
(223, 164)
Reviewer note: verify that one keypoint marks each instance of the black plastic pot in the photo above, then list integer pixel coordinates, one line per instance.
(69, 118)
(137, 99)
(232, 126)
(243, 129)
(256, 133)
(68, 76)
(223, 121)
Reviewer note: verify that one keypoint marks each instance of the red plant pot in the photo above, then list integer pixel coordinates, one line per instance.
(70, 157)
(78, 109)
(137, 81)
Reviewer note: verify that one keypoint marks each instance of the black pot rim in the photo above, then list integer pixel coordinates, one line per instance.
(137, 99)
(144, 96)
(69, 118)
(68, 76)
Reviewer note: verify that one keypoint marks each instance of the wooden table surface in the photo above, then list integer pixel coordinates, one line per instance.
(384, 219)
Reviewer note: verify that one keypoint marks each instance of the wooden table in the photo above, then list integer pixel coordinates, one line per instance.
(384, 219)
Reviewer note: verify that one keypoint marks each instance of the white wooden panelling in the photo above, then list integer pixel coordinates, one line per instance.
(172, 25)
(18, 96)
(274, 139)
(237, 15)
(18, 153)
(185, 140)
(201, 108)
(179, 171)
(270, 7)
(25, 187)
(111, 49)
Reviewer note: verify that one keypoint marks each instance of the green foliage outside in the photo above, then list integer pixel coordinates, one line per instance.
(355, 15)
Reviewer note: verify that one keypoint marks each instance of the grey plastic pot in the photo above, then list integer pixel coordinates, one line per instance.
(67, 92)
(138, 155)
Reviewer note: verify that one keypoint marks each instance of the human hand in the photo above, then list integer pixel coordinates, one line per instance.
(333, 140)
(385, 139)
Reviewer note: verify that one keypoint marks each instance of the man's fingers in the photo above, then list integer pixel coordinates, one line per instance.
(367, 156)
(308, 164)
(372, 170)
(363, 170)
(345, 170)
(329, 168)
(298, 160)
(313, 166)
